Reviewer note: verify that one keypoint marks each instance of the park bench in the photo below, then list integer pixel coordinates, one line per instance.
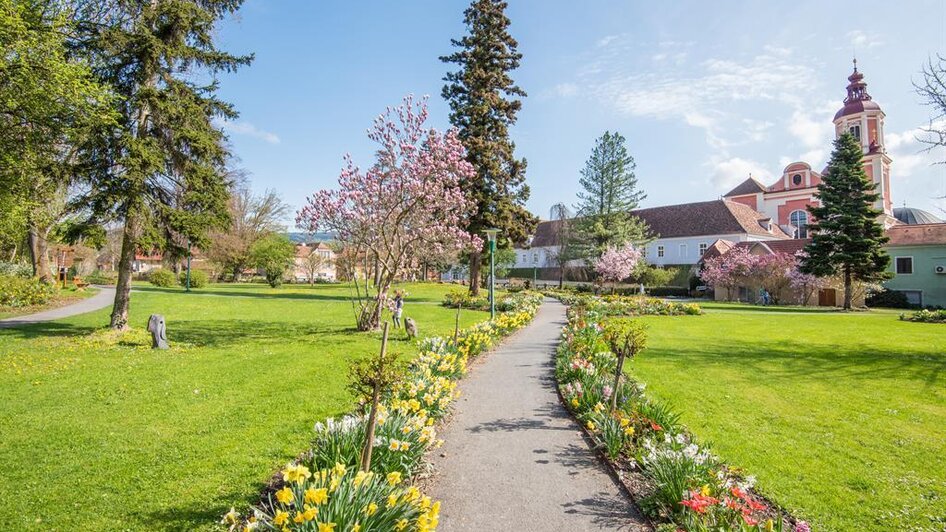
(79, 282)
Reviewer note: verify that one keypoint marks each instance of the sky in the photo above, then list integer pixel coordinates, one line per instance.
(705, 92)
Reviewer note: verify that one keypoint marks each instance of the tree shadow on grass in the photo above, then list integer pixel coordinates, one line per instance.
(191, 516)
(233, 292)
(225, 332)
(46, 329)
(799, 360)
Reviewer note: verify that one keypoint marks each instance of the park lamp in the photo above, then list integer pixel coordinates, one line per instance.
(491, 236)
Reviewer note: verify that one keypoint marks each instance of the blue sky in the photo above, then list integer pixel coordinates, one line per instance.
(705, 92)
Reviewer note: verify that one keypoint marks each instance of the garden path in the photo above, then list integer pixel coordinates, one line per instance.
(104, 298)
(513, 459)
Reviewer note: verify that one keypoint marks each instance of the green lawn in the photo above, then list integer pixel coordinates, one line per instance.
(101, 433)
(840, 416)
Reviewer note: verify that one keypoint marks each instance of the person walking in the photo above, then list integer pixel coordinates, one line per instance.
(398, 308)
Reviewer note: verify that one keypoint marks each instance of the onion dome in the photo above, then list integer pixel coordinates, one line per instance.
(857, 100)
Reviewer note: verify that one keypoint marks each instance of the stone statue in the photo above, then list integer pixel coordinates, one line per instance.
(411, 327)
(159, 338)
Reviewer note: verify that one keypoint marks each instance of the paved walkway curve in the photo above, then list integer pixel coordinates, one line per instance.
(513, 459)
(104, 298)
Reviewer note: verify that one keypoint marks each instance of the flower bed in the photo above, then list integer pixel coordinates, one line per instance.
(676, 481)
(17, 292)
(324, 490)
(926, 316)
(626, 305)
(505, 303)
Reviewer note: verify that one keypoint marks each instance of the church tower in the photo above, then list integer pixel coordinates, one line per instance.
(864, 119)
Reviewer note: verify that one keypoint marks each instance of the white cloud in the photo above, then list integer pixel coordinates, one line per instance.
(729, 172)
(249, 130)
(909, 154)
(863, 41)
(606, 40)
(565, 90)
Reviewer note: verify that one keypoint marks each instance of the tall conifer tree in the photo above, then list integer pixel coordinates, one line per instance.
(847, 237)
(483, 102)
(609, 192)
(161, 171)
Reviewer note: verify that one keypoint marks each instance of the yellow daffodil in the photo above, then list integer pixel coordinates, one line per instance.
(371, 509)
(339, 469)
(299, 518)
(316, 495)
(590, 425)
(705, 490)
(394, 445)
(400, 525)
(285, 495)
(405, 445)
(281, 518)
(356, 528)
(231, 517)
(392, 500)
(394, 478)
(310, 513)
(326, 527)
(359, 478)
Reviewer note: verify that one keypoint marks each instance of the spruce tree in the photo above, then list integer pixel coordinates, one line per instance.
(609, 192)
(161, 171)
(847, 236)
(483, 104)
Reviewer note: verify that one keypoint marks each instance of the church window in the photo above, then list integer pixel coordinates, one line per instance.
(796, 179)
(660, 251)
(683, 250)
(799, 220)
(856, 131)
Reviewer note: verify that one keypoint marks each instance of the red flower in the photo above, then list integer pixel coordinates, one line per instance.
(698, 503)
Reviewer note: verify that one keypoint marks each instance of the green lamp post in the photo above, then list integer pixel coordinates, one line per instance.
(491, 236)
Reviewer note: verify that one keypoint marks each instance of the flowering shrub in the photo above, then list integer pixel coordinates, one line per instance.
(926, 316)
(161, 277)
(690, 488)
(323, 492)
(18, 291)
(628, 305)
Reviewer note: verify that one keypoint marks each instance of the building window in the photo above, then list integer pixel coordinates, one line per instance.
(644, 252)
(683, 250)
(703, 247)
(796, 179)
(856, 131)
(535, 258)
(904, 265)
(799, 220)
(660, 251)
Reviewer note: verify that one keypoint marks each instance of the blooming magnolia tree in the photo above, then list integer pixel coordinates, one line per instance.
(617, 264)
(407, 205)
(728, 270)
(773, 273)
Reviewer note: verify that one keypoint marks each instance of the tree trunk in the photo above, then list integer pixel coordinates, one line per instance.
(370, 318)
(617, 382)
(847, 288)
(39, 254)
(373, 414)
(475, 259)
(123, 286)
(561, 278)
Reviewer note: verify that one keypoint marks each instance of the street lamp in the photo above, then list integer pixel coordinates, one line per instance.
(491, 236)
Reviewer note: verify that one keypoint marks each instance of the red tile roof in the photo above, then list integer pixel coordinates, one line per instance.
(749, 186)
(917, 235)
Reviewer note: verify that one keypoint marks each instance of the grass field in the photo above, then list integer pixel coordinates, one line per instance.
(840, 416)
(102, 433)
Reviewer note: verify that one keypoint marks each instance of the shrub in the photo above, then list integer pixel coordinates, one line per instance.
(24, 292)
(102, 277)
(199, 278)
(888, 299)
(161, 277)
(668, 291)
(926, 316)
(16, 269)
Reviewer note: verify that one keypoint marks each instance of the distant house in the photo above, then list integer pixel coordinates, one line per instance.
(684, 232)
(314, 261)
(918, 262)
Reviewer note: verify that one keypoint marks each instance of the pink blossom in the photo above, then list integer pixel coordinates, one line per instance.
(617, 264)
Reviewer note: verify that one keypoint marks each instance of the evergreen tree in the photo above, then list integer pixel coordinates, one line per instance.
(161, 170)
(483, 105)
(609, 193)
(847, 237)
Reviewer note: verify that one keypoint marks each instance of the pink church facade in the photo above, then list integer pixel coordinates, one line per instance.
(787, 199)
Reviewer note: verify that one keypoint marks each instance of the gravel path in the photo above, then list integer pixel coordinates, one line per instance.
(513, 458)
(104, 298)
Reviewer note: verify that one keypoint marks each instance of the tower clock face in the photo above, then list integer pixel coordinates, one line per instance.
(796, 179)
